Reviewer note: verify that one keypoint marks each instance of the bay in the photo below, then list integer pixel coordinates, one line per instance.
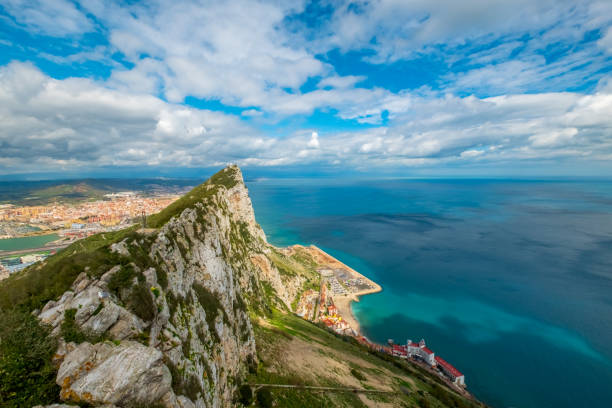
(509, 280)
(37, 241)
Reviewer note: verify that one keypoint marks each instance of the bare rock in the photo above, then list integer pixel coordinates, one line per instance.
(103, 373)
(126, 326)
(105, 317)
(96, 310)
(81, 282)
(184, 402)
(120, 248)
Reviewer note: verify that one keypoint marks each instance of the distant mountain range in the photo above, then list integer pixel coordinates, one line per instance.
(48, 191)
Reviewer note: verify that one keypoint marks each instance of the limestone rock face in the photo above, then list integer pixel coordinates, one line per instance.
(180, 324)
(241, 208)
(122, 374)
(96, 311)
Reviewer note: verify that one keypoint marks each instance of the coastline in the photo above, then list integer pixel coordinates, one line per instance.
(343, 302)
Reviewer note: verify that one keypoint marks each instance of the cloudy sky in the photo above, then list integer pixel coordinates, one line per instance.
(398, 87)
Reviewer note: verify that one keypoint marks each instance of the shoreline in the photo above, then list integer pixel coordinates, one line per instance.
(344, 305)
(343, 302)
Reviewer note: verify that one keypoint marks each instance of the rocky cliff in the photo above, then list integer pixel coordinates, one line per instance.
(180, 312)
(167, 321)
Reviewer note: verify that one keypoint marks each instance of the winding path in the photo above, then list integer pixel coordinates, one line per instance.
(321, 389)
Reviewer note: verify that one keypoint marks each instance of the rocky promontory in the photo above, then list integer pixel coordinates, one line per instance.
(178, 313)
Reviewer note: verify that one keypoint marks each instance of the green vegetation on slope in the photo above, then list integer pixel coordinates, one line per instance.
(36, 285)
(226, 178)
(211, 306)
(294, 351)
(300, 262)
(27, 377)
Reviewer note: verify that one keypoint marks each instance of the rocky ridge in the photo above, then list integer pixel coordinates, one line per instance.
(168, 324)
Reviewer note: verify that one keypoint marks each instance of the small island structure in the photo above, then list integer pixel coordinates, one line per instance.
(331, 305)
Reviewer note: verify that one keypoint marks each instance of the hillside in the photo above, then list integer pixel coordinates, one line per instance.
(187, 312)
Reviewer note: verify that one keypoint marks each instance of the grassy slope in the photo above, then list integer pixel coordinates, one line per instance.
(295, 351)
(36, 285)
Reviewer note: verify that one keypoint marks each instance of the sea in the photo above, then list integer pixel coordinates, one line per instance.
(508, 280)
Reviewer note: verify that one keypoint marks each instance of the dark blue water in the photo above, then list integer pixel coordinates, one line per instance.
(511, 281)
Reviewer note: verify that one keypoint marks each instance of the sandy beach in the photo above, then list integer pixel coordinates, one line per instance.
(343, 302)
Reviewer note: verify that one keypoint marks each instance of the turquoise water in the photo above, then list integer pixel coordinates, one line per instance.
(15, 244)
(509, 280)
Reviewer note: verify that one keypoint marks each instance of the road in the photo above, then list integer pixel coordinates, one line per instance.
(322, 389)
(28, 251)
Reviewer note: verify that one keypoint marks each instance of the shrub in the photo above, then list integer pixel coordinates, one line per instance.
(98, 309)
(144, 337)
(211, 306)
(246, 394)
(447, 398)
(162, 277)
(141, 303)
(174, 302)
(424, 403)
(180, 385)
(358, 375)
(122, 278)
(264, 398)
(70, 330)
(27, 376)
(191, 387)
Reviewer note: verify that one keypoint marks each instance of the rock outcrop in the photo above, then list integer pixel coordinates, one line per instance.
(168, 323)
(118, 374)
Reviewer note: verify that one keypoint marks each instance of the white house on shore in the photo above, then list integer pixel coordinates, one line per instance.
(420, 350)
(450, 371)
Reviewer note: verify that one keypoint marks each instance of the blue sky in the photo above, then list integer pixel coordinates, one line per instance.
(394, 87)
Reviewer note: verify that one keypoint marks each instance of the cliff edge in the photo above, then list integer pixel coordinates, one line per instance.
(178, 313)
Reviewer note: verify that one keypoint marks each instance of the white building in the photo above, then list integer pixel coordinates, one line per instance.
(421, 351)
(450, 371)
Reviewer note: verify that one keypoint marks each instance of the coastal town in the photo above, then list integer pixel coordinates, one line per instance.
(331, 306)
(116, 209)
(65, 223)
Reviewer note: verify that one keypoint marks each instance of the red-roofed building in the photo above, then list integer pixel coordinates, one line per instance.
(426, 350)
(328, 322)
(450, 371)
(399, 351)
(421, 351)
